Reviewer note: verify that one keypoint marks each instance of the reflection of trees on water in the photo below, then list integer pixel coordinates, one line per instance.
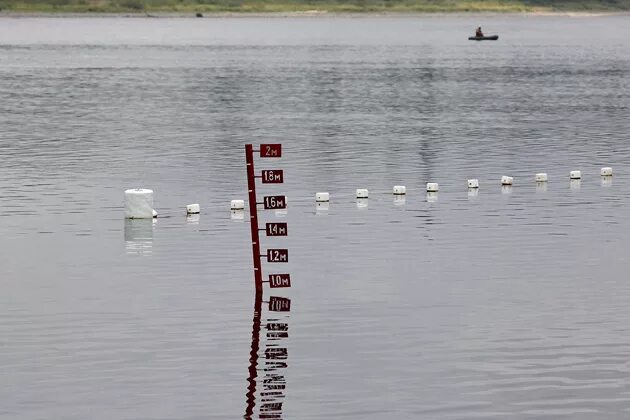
(272, 392)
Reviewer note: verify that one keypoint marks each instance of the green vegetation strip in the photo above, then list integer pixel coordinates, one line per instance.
(310, 6)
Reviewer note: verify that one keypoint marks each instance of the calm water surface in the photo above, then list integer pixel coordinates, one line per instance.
(506, 303)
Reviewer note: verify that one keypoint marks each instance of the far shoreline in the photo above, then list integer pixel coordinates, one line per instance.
(308, 14)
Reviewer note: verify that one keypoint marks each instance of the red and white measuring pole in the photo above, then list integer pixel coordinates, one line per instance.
(271, 202)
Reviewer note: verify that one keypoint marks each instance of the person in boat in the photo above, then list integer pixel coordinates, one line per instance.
(479, 33)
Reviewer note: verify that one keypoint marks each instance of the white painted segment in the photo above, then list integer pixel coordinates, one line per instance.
(193, 209)
(432, 187)
(322, 197)
(237, 204)
(473, 183)
(399, 190)
(507, 180)
(541, 177)
(362, 193)
(139, 204)
(575, 175)
(607, 171)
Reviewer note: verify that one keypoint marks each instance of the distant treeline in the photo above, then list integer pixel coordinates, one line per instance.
(357, 6)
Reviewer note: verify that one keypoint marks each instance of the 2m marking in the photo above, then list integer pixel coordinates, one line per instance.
(279, 280)
(272, 176)
(276, 229)
(273, 202)
(271, 150)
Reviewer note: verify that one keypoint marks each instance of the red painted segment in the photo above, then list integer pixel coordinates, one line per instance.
(253, 217)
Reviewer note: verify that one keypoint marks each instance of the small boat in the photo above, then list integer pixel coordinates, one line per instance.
(483, 38)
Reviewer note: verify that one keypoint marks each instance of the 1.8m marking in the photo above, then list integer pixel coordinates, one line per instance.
(279, 280)
(272, 176)
(271, 150)
(276, 229)
(278, 255)
(272, 202)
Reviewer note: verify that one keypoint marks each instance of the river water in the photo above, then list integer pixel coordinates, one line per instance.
(500, 303)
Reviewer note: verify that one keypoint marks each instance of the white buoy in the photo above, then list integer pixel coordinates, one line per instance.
(432, 196)
(193, 209)
(400, 190)
(237, 205)
(432, 187)
(362, 193)
(541, 177)
(362, 203)
(322, 197)
(607, 171)
(139, 204)
(473, 183)
(506, 180)
(575, 175)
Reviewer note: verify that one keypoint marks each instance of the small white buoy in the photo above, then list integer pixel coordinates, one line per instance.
(473, 183)
(237, 215)
(322, 197)
(362, 193)
(237, 205)
(154, 213)
(193, 209)
(362, 203)
(506, 180)
(139, 204)
(400, 190)
(541, 177)
(399, 200)
(575, 175)
(432, 187)
(607, 171)
(432, 196)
